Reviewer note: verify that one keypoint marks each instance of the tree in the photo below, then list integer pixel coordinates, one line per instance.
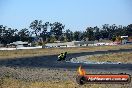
(77, 36)
(44, 33)
(8, 35)
(113, 39)
(11, 35)
(129, 30)
(24, 34)
(2, 30)
(36, 26)
(68, 35)
(111, 31)
(56, 29)
(97, 33)
(52, 39)
(89, 33)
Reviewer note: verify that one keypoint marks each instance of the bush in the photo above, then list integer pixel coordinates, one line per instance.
(40, 44)
(52, 39)
(113, 39)
(118, 39)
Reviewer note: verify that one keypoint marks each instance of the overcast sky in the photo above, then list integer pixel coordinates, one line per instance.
(75, 14)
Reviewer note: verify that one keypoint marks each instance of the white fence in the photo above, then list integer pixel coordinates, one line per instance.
(38, 47)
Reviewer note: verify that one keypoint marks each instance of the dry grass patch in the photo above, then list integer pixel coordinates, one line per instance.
(16, 83)
(125, 57)
(54, 51)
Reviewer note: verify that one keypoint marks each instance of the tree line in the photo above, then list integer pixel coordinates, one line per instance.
(50, 32)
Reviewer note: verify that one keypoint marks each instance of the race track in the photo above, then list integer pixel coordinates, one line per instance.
(51, 61)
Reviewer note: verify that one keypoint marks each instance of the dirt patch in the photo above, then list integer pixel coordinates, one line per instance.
(49, 78)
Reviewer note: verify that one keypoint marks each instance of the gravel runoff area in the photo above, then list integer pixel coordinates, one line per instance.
(58, 75)
(84, 59)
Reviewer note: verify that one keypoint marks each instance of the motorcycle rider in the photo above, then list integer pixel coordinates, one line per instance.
(62, 56)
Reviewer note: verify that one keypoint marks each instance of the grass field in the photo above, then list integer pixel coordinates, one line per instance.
(53, 51)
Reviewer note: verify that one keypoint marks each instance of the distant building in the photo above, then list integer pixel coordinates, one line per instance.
(124, 39)
(70, 44)
(18, 44)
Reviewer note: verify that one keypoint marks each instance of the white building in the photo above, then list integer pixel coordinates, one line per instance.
(70, 44)
(124, 39)
(18, 44)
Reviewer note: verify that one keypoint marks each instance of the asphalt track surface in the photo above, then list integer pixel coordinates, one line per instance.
(51, 61)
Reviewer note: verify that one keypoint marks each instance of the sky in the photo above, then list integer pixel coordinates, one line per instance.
(74, 14)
